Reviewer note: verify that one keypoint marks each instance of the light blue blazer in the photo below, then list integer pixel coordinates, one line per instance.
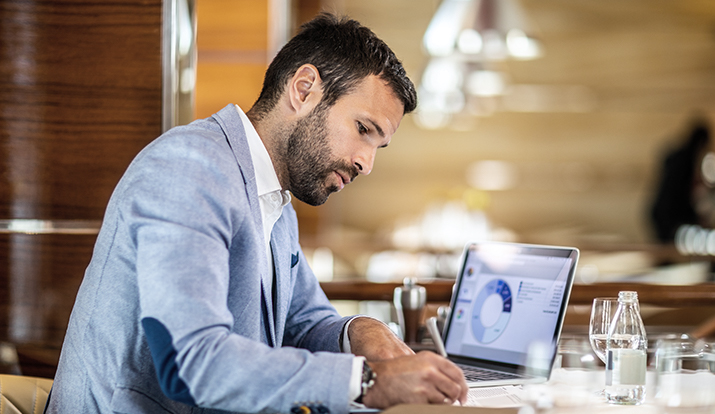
(175, 313)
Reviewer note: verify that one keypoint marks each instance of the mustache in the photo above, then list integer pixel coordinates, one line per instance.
(349, 169)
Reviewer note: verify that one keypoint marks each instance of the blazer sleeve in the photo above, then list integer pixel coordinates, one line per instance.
(311, 321)
(182, 204)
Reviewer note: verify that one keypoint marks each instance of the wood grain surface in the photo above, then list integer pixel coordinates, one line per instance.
(80, 95)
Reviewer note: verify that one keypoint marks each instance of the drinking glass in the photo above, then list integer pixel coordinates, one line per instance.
(602, 311)
(685, 377)
(574, 384)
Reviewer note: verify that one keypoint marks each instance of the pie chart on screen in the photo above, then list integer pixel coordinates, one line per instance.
(491, 311)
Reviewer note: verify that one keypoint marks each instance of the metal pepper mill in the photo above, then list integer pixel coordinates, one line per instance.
(409, 301)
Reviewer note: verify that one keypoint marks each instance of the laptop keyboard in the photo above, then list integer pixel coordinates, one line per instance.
(481, 374)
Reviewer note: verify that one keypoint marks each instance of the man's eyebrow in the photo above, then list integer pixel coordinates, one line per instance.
(377, 128)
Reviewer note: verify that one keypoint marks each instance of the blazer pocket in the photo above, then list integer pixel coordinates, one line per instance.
(293, 260)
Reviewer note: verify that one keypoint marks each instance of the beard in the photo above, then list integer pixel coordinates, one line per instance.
(309, 160)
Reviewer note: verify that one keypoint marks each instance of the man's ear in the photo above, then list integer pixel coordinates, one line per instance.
(305, 90)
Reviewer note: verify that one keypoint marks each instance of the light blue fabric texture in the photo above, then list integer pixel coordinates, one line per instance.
(180, 262)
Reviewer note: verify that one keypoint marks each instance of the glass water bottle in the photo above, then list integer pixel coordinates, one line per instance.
(626, 352)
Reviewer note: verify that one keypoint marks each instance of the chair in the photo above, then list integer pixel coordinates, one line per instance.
(22, 394)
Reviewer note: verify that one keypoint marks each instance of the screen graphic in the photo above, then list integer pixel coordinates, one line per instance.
(491, 312)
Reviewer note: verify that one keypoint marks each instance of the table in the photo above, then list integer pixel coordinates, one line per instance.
(560, 375)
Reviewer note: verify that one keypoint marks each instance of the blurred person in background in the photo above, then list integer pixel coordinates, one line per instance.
(683, 196)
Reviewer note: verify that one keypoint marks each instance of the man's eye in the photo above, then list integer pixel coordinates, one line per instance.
(361, 128)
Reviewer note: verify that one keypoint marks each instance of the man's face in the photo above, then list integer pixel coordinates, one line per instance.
(329, 147)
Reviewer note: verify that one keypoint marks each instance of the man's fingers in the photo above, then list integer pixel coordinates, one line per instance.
(422, 378)
(452, 384)
(449, 369)
(456, 374)
(451, 389)
(445, 377)
(431, 395)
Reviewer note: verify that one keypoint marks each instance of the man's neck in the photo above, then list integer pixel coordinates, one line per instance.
(274, 135)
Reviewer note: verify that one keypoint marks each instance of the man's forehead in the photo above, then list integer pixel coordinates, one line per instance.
(374, 99)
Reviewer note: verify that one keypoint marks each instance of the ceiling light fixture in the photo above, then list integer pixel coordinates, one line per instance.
(481, 30)
(466, 41)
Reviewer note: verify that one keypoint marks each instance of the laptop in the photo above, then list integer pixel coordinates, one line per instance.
(507, 311)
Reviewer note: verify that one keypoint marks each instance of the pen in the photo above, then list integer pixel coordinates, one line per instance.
(437, 338)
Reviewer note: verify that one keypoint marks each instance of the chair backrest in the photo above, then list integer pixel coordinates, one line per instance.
(23, 395)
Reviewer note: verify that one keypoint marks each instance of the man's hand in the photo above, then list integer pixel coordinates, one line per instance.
(375, 341)
(425, 378)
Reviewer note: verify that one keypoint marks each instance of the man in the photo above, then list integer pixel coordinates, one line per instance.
(198, 294)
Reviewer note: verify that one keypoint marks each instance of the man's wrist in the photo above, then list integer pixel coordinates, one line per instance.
(367, 381)
(355, 388)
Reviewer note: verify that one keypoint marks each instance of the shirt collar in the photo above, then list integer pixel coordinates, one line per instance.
(266, 177)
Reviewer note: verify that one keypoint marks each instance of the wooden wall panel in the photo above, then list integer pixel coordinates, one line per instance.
(80, 89)
(224, 83)
(44, 274)
(232, 24)
(80, 95)
(232, 45)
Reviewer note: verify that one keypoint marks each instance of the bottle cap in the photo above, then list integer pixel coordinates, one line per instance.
(627, 296)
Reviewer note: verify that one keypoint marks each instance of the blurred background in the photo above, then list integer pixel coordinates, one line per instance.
(539, 121)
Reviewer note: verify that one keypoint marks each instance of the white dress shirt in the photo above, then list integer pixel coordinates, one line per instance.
(272, 198)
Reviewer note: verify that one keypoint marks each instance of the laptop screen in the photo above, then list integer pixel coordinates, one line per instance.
(509, 297)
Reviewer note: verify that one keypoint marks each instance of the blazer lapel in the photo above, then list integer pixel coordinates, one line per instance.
(230, 122)
(280, 244)
(232, 127)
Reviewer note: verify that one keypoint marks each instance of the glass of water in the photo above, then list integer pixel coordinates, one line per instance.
(685, 377)
(574, 385)
(602, 311)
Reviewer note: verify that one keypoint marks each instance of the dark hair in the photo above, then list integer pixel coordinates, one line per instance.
(344, 52)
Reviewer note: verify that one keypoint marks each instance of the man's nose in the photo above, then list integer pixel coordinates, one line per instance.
(364, 161)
